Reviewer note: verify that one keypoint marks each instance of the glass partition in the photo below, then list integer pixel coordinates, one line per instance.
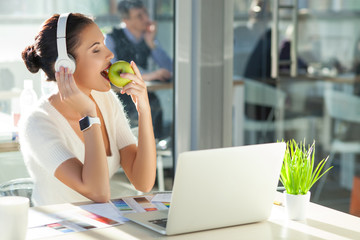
(320, 104)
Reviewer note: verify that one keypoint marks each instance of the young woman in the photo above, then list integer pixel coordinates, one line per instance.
(68, 164)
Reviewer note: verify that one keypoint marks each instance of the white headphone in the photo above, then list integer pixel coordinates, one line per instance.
(64, 59)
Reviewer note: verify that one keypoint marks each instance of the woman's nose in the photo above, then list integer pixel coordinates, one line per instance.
(110, 55)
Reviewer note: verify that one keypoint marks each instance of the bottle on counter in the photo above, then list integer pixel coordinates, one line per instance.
(28, 97)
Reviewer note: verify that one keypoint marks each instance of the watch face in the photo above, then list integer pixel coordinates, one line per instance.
(84, 123)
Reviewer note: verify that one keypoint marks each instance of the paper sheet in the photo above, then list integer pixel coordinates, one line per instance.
(162, 197)
(106, 210)
(72, 220)
(38, 218)
(90, 216)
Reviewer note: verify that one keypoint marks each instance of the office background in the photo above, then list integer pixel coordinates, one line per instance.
(217, 100)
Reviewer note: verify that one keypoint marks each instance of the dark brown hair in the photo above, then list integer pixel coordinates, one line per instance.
(43, 53)
(125, 6)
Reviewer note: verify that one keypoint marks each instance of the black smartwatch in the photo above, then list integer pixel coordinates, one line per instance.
(87, 122)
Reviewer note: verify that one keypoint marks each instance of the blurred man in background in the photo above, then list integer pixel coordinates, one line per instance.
(135, 40)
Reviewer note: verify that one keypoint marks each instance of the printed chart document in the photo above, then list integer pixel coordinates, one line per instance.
(117, 208)
(92, 216)
(108, 210)
(71, 220)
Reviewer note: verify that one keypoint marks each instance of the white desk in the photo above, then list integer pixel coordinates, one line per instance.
(156, 85)
(152, 86)
(322, 223)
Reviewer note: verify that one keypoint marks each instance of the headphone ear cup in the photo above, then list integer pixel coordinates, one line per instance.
(73, 63)
(68, 63)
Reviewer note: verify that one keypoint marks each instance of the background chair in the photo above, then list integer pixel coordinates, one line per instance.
(163, 158)
(341, 116)
(303, 118)
(163, 161)
(18, 187)
(260, 94)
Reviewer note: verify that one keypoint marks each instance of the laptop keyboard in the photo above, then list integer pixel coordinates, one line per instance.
(160, 222)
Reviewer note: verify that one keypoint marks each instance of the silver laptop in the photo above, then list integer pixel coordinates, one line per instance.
(218, 188)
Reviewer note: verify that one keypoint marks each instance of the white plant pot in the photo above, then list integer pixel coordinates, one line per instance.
(296, 206)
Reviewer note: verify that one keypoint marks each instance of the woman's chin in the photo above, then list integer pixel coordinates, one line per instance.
(105, 88)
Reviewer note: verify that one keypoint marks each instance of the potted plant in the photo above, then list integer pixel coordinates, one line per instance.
(298, 175)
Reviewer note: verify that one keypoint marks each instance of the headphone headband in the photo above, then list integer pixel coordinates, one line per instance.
(61, 25)
(64, 59)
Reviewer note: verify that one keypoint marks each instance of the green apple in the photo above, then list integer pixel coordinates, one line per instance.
(116, 69)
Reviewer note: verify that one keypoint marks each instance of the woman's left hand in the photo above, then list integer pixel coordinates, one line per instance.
(139, 161)
(72, 95)
(136, 88)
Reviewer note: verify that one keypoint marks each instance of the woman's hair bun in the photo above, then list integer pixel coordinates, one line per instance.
(31, 59)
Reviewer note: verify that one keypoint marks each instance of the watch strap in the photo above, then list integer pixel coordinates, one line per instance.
(87, 122)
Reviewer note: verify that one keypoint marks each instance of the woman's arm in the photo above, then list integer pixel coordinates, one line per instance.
(90, 179)
(139, 162)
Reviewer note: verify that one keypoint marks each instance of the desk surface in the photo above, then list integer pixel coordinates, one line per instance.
(157, 85)
(152, 86)
(322, 223)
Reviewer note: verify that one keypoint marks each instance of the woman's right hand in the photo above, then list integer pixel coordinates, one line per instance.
(72, 95)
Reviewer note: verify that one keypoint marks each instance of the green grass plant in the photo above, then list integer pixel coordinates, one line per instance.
(297, 172)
